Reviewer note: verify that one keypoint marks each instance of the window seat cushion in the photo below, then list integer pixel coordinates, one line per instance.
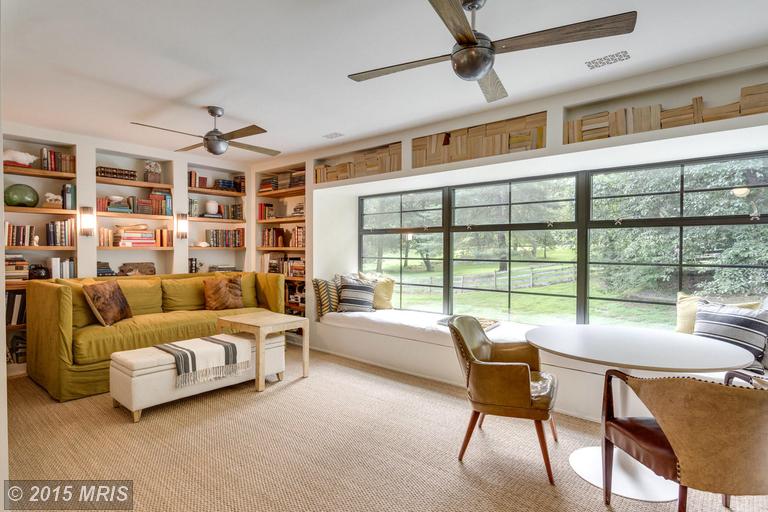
(416, 326)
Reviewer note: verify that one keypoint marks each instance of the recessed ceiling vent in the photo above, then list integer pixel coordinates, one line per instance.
(333, 135)
(608, 59)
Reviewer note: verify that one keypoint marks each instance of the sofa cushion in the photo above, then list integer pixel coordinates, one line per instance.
(82, 314)
(686, 310)
(145, 296)
(223, 293)
(107, 302)
(183, 294)
(95, 343)
(247, 285)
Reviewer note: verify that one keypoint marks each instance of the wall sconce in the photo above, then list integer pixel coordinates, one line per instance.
(182, 225)
(87, 221)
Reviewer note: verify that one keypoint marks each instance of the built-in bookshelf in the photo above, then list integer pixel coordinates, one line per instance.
(281, 230)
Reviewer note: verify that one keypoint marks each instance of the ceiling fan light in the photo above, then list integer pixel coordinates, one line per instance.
(473, 62)
(214, 143)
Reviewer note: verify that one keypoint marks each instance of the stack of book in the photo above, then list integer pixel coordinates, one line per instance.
(268, 184)
(113, 172)
(265, 211)
(143, 238)
(15, 308)
(60, 232)
(51, 160)
(298, 210)
(754, 99)
(18, 236)
(222, 184)
(194, 208)
(298, 179)
(240, 183)
(61, 268)
(223, 268)
(16, 267)
(103, 269)
(293, 267)
(225, 237)
(195, 180)
(106, 237)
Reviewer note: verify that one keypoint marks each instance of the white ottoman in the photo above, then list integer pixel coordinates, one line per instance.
(145, 377)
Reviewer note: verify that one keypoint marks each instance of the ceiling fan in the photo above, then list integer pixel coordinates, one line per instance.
(216, 142)
(473, 54)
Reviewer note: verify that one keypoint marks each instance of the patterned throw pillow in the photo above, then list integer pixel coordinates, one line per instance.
(223, 293)
(326, 297)
(742, 327)
(355, 295)
(107, 302)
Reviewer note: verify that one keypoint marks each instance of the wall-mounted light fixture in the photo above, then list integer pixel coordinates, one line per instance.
(182, 225)
(87, 221)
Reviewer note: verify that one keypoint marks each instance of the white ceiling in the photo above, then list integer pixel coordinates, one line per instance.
(91, 66)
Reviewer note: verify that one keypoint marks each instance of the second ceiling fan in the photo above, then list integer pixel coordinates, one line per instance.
(473, 54)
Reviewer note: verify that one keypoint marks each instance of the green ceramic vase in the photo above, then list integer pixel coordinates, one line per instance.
(21, 195)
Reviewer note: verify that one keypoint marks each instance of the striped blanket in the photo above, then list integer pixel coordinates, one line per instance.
(208, 358)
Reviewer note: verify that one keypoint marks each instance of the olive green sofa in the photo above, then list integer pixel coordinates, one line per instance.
(68, 351)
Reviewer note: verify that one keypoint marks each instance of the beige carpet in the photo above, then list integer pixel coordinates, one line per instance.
(349, 438)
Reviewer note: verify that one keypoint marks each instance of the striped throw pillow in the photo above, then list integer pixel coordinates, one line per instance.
(746, 328)
(355, 295)
(326, 297)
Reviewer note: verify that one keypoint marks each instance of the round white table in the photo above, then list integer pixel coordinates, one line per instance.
(634, 348)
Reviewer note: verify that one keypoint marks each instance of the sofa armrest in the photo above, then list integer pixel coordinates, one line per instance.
(49, 333)
(270, 291)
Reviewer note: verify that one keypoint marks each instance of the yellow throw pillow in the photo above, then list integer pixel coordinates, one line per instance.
(383, 291)
(145, 296)
(686, 310)
(183, 294)
(82, 314)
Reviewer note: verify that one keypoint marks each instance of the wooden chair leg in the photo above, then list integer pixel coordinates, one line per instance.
(607, 470)
(482, 419)
(468, 435)
(544, 451)
(682, 499)
(727, 500)
(553, 427)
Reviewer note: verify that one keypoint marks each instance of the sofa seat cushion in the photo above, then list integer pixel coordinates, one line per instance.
(95, 343)
(416, 326)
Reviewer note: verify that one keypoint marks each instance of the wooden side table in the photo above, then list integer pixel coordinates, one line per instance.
(262, 324)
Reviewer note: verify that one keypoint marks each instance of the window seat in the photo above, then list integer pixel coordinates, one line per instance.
(416, 326)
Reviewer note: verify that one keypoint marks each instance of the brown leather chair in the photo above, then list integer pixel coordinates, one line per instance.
(703, 435)
(503, 379)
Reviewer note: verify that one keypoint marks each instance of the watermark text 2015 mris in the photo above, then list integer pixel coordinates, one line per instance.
(68, 495)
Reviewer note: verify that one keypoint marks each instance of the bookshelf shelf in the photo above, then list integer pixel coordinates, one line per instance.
(197, 248)
(38, 173)
(16, 327)
(295, 307)
(295, 279)
(283, 220)
(133, 183)
(215, 192)
(133, 216)
(135, 248)
(25, 248)
(216, 221)
(281, 249)
(40, 211)
(285, 192)
(15, 285)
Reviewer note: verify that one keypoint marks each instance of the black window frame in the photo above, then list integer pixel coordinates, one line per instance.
(582, 223)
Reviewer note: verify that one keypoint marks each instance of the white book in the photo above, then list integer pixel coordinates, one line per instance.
(55, 265)
(16, 309)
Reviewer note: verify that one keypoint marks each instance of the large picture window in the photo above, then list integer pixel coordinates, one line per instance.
(524, 250)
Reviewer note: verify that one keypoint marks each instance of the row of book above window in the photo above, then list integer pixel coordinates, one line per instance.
(57, 233)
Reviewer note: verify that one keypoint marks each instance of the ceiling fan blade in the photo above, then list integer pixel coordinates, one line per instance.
(452, 14)
(492, 87)
(582, 31)
(375, 73)
(257, 149)
(193, 146)
(246, 131)
(167, 129)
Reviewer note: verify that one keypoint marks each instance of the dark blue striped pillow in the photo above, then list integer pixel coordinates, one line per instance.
(746, 328)
(355, 295)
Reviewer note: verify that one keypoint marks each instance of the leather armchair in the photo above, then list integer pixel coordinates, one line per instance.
(503, 379)
(703, 435)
